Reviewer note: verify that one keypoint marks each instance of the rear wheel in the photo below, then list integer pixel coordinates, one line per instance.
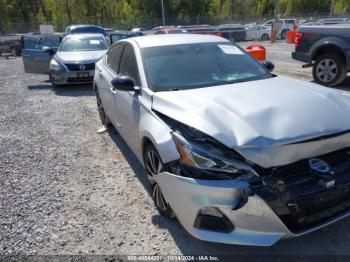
(329, 69)
(284, 34)
(265, 37)
(153, 166)
(103, 117)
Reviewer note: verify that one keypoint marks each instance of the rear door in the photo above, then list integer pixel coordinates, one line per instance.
(104, 78)
(37, 53)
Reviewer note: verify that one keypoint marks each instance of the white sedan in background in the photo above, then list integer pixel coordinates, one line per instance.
(258, 32)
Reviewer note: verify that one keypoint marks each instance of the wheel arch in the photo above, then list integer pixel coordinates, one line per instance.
(154, 130)
(328, 48)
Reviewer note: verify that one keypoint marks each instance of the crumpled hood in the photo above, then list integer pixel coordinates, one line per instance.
(261, 114)
(76, 57)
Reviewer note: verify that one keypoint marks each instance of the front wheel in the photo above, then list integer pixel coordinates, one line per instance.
(329, 69)
(153, 166)
(52, 81)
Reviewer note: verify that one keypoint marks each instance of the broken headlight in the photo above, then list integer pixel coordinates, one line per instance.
(205, 160)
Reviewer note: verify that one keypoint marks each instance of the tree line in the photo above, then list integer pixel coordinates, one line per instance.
(131, 13)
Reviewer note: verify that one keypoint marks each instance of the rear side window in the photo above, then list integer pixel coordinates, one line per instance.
(128, 64)
(290, 21)
(114, 55)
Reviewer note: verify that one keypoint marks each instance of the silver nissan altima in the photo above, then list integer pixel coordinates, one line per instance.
(74, 61)
(236, 153)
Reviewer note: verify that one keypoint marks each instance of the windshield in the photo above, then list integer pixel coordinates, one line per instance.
(80, 44)
(198, 65)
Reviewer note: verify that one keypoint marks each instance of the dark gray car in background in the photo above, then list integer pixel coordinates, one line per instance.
(325, 48)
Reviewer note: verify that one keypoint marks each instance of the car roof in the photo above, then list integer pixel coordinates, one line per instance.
(173, 39)
(82, 25)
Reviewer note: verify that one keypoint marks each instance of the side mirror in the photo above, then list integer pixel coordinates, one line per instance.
(269, 65)
(48, 50)
(123, 83)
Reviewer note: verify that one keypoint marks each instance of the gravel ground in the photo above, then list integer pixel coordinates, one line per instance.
(64, 189)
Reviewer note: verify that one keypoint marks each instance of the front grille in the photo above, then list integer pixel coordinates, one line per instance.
(80, 79)
(76, 67)
(296, 195)
(322, 201)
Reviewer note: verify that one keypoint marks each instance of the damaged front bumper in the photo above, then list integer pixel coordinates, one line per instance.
(254, 222)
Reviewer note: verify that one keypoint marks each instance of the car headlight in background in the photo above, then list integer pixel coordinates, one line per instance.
(210, 160)
(54, 65)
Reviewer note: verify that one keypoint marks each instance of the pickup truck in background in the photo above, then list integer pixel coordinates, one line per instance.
(326, 49)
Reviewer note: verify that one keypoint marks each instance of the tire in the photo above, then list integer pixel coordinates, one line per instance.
(153, 166)
(101, 112)
(52, 81)
(265, 37)
(284, 34)
(329, 69)
(232, 39)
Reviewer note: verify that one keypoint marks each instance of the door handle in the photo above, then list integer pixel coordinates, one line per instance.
(24, 55)
(100, 75)
(113, 90)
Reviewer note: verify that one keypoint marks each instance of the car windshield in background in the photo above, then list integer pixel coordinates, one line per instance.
(80, 44)
(188, 66)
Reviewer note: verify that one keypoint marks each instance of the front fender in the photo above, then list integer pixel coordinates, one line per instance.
(154, 129)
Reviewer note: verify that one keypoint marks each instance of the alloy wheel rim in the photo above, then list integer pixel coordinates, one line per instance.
(153, 164)
(327, 70)
(153, 167)
(158, 197)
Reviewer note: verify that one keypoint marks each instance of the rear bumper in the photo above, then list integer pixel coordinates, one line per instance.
(255, 223)
(70, 77)
(301, 57)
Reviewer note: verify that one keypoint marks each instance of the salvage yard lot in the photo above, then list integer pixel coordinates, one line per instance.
(67, 190)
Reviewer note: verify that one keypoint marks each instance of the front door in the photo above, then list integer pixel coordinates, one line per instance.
(127, 103)
(37, 53)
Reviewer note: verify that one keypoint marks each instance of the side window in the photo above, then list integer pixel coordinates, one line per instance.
(51, 41)
(128, 64)
(114, 55)
(32, 43)
(117, 37)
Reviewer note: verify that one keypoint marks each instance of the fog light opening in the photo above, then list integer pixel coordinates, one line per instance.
(212, 219)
